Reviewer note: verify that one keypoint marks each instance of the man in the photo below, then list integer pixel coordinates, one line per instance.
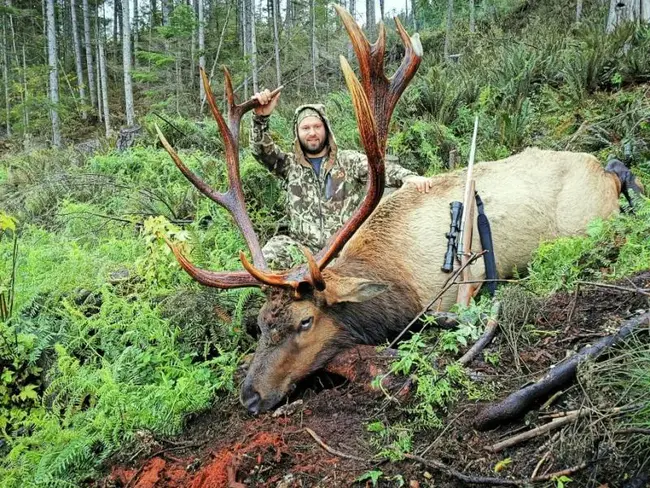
(325, 185)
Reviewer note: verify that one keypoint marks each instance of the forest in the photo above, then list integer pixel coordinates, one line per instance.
(117, 369)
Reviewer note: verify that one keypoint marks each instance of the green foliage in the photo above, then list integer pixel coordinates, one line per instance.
(91, 355)
(392, 441)
(372, 476)
(611, 249)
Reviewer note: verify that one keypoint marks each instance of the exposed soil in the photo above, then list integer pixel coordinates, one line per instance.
(228, 448)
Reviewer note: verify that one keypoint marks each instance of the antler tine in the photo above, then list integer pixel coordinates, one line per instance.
(232, 200)
(228, 279)
(382, 93)
(373, 107)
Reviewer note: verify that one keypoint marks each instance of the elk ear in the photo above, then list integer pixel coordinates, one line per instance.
(348, 289)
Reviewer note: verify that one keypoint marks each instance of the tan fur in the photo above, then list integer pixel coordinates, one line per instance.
(531, 197)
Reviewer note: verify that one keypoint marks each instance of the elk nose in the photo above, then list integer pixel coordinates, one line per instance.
(251, 399)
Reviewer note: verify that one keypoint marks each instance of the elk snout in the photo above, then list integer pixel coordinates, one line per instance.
(250, 398)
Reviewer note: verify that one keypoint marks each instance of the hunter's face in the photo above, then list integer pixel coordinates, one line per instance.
(312, 135)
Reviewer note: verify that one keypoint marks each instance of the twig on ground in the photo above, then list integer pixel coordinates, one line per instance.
(522, 400)
(633, 430)
(530, 434)
(574, 303)
(640, 291)
(548, 443)
(448, 470)
(490, 330)
(331, 450)
(540, 462)
(484, 480)
(610, 411)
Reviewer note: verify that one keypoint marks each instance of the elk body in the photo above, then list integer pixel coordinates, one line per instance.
(383, 266)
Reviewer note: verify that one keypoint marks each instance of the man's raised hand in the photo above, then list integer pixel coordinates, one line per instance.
(267, 102)
(422, 183)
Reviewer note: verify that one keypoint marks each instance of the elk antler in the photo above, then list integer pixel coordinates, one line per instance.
(232, 200)
(374, 99)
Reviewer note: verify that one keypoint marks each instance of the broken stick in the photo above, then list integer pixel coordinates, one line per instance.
(483, 480)
(521, 401)
(530, 434)
(490, 330)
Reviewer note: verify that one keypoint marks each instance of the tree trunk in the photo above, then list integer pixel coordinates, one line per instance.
(201, 45)
(5, 76)
(353, 13)
(136, 29)
(216, 56)
(381, 9)
(370, 17)
(97, 67)
(98, 77)
(276, 40)
(414, 13)
(166, 10)
(77, 58)
(245, 41)
(472, 16)
(645, 11)
(312, 5)
(578, 10)
(253, 45)
(126, 61)
(288, 28)
(25, 94)
(104, 83)
(450, 24)
(54, 74)
(89, 54)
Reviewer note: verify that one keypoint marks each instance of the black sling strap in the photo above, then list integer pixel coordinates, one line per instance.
(485, 233)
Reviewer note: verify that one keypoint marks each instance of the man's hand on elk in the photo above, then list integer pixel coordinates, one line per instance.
(267, 102)
(422, 183)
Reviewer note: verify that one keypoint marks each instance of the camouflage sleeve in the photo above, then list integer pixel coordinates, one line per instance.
(264, 149)
(395, 174)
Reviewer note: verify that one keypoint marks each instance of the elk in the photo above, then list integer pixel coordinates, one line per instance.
(379, 270)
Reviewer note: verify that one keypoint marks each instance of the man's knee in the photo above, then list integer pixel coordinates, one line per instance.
(281, 252)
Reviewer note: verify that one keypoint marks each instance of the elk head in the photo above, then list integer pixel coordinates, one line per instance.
(302, 321)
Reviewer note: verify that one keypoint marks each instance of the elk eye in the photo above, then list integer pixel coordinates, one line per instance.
(306, 324)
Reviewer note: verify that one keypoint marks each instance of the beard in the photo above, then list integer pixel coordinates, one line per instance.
(311, 148)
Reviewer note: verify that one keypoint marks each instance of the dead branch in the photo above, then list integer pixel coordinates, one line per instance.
(490, 331)
(633, 430)
(530, 434)
(331, 450)
(610, 411)
(484, 480)
(522, 400)
(540, 462)
(640, 291)
(448, 470)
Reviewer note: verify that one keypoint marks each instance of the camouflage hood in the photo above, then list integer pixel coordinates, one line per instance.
(331, 140)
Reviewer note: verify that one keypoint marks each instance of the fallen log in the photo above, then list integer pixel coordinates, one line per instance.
(519, 402)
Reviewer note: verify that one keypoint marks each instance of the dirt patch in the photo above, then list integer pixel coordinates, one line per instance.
(226, 447)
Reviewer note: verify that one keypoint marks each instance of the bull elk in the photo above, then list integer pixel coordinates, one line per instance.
(389, 254)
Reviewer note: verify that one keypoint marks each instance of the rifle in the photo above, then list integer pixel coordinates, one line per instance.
(467, 290)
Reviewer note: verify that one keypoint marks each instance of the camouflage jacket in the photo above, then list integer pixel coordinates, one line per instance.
(318, 204)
